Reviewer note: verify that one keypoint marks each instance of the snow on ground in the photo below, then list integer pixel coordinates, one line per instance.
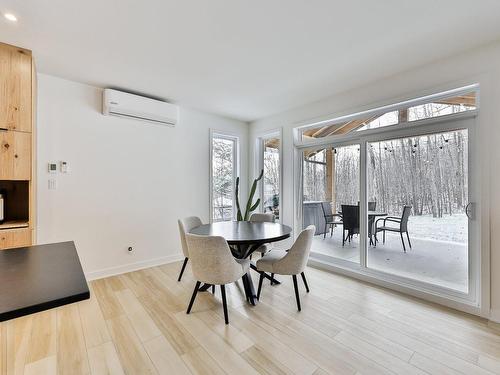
(450, 228)
(438, 255)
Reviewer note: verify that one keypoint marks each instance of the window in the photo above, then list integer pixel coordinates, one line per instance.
(393, 194)
(224, 170)
(438, 105)
(270, 163)
(427, 176)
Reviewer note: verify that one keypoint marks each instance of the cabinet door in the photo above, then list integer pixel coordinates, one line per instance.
(14, 238)
(15, 155)
(15, 88)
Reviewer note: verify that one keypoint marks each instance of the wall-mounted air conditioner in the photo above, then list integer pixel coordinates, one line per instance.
(119, 103)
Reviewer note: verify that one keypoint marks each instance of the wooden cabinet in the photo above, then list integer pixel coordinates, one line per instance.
(15, 155)
(14, 238)
(15, 88)
(17, 139)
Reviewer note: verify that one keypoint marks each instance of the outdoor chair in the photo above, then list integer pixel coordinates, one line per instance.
(401, 228)
(330, 218)
(350, 219)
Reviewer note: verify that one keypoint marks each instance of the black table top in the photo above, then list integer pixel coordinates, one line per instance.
(244, 232)
(38, 278)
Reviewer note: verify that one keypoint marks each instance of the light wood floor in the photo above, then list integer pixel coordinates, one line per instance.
(136, 324)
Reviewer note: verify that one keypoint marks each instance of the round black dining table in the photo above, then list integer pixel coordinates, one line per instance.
(244, 238)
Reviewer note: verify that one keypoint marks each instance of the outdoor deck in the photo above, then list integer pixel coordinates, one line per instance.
(442, 263)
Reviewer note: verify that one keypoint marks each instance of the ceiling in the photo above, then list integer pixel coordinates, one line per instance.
(243, 59)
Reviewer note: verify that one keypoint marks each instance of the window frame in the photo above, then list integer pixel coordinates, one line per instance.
(259, 165)
(332, 120)
(236, 173)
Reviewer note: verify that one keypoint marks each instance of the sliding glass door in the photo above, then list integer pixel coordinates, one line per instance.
(396, 206)
(330, 200)
(418, 190)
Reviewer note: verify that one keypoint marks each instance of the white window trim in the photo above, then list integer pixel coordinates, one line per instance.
(331, 120)
(477, 301)
(259, 164)
(233, 137)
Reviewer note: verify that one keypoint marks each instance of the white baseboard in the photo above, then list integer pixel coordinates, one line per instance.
(495, 315)
(112, 271)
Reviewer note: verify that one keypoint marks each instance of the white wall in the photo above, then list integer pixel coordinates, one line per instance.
(481, 65)
(129, 181)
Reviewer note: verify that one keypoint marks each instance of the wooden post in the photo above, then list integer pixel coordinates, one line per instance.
(330, 177)
(403, 115)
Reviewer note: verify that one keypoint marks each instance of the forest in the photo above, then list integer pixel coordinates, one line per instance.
(427, 172)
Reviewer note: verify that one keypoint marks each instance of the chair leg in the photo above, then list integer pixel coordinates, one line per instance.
(261, 279)
(331, 231)
(324, 233)
(384, 237)
(408, 236)
(343, 237)
(402, 241)
(305, 281)
(245, 286)
(198, 283)
(295, 286)
(224, 302)
(272, 279)
(182, 269)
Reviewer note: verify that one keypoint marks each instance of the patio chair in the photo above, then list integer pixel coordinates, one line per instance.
(350, 219)
(330, 218)
(372, 206)
(402, 228)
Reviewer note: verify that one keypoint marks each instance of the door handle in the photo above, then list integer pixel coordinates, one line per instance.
(469, 210)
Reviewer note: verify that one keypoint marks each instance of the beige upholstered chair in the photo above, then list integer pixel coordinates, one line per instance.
(262, 218)
(185, 225)
(292, 262)
(213, 263)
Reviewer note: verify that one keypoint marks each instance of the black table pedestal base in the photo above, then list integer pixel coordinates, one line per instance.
(266, 275)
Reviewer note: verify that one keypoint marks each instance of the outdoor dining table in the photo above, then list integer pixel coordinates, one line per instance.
(372, 216)
(244, 238)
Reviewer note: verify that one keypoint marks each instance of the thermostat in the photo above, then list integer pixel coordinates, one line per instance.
(64, 167)
(52, 168)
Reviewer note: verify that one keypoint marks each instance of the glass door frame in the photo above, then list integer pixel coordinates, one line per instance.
(475, 295)
(259, 163)
(362, 218)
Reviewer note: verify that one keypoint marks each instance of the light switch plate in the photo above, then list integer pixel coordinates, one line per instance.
(52, 184)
